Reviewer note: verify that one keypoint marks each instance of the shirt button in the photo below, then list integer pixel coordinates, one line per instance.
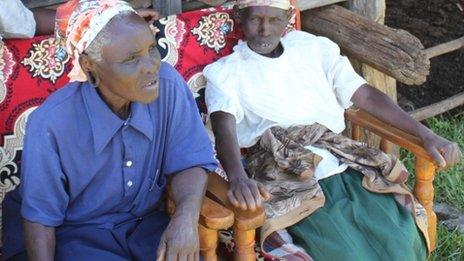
(129, 183)
(128, 163)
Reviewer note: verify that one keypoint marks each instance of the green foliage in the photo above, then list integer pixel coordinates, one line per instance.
(450, 246)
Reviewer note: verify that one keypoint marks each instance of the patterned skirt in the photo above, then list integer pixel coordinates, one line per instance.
(355, 224)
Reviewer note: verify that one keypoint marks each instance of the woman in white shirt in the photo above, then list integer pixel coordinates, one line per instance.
(284, 99)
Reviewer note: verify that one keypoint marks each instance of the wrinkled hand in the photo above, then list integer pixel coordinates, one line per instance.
(246, 193)
(149, 15)
(444, 152)
(180, 240)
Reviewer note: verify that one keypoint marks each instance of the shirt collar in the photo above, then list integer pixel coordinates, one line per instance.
(141, 119)
(105, 123)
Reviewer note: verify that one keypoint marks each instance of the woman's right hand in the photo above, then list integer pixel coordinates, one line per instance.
(247, 194)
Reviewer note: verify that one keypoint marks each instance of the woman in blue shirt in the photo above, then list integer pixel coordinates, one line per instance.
(99, 152)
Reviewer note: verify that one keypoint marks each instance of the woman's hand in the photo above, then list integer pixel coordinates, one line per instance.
(246, 193)
(180, 240)
(444, 152)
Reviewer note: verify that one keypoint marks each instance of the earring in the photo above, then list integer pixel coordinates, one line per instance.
(95, 81)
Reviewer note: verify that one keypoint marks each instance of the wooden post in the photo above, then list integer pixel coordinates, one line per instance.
(355, 132)
(244, 245)
(387, 146)
(167, 7)
(374, 10)
(438, 108)
(208, 243)
(445, 47)
(424, 192)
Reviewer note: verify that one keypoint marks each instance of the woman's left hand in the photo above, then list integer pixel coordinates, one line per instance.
(444, 152)
(148, 14)
(180, 241)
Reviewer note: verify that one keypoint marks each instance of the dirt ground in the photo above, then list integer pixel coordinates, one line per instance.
(433, 22)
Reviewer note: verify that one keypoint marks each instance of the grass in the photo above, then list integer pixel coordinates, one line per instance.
(449, 186)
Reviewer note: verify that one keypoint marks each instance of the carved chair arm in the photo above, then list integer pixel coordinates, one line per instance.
(212, 214)
(245, 223)
(386, 131)
(217, 213)
(244, 220)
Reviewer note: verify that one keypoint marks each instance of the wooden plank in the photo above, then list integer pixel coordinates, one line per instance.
(310, 4)
(374, 10)
(139, 3)
(438, 108)
(445, 47)
(167, 7)
(396, 53)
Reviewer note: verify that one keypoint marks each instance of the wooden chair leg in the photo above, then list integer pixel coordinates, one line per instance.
(424, 192)
(208, 243)
(244, 245)
(356, 132)
(386, 146)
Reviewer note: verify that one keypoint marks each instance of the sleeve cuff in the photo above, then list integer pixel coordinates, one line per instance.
(348, 91)
(32, 215)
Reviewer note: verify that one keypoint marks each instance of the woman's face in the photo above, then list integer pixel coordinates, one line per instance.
(263, 27)
(128, 70)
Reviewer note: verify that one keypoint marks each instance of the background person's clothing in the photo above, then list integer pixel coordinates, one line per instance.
(83, 165)
(363, 225)
(16, 21)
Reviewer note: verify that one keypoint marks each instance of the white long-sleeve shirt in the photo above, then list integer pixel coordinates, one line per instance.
(310, 82)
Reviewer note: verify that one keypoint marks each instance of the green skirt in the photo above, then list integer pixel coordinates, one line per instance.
(355, 224)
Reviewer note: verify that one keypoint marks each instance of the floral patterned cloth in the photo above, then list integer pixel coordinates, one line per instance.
(285, 167)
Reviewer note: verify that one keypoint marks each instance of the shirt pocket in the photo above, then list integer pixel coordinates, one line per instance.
(151, 195)
(157, 181)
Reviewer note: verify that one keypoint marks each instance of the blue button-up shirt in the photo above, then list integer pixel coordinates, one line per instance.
(82, 164)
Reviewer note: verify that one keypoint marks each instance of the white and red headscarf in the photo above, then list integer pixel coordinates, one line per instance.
(78, 22)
